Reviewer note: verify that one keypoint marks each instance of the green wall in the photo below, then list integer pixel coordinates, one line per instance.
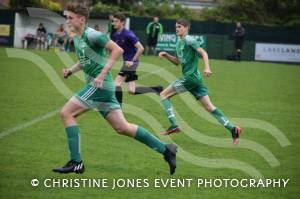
(220, 43)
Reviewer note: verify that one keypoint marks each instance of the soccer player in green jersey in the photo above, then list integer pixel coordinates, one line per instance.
(99, 92)
(187, 54)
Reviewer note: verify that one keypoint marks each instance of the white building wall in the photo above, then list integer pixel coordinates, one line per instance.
(25, 24)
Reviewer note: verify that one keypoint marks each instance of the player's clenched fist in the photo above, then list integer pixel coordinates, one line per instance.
(207, 72)
(162, 54)
(129, 63)
(67, 72)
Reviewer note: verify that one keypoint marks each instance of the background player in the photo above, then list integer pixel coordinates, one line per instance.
(153, 30)
(238, 35)
(187, 50)
(129, 42)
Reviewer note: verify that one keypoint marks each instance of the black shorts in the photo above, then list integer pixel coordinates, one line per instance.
(152, 41)
(129, 72)
(238, 43)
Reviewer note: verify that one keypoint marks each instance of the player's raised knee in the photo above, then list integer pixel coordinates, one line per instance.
(65, 114)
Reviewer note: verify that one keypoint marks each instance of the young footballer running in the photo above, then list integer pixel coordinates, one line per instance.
(187, 52)
(99, 92)
(132, 47)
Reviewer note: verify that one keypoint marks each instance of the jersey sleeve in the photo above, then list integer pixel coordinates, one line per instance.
(97, 39)
(190, 41)
(132, 38)
(148, 28)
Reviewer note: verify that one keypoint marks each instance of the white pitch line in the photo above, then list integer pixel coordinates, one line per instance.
(27, 124)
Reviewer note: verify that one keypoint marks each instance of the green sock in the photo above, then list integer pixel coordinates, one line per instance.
(169, 110)
(150, 140)
(219, 115)
(74, 142)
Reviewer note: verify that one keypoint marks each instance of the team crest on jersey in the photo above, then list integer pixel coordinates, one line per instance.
(84, 60)
(83, 47)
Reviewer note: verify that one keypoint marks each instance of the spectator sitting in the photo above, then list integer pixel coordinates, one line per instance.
(27, 39)
(50, 38)
(61, 37)
(41, 37)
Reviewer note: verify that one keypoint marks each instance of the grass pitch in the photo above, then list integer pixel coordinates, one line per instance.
(262, 97)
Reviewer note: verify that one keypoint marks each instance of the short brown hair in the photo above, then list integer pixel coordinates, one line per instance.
(183, 22)
(120, 16)
(79, 9)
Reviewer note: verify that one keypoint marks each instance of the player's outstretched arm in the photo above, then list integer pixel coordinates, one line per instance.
(207, 72)
(115, 53)
(73, 69)
(169, 57)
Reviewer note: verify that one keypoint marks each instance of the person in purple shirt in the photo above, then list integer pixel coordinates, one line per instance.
(132, 47)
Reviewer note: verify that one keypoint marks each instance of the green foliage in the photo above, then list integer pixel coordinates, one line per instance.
(51, 5)
(265, 12)
(105, 8)
(162, 9)
(48, 4)
(18, 4)
(145, 8)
